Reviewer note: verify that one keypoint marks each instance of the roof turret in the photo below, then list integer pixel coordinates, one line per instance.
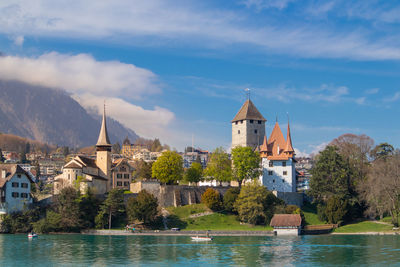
(289, 148)
(248, 112)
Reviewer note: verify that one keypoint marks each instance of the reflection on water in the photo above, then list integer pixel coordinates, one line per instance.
(85, 250)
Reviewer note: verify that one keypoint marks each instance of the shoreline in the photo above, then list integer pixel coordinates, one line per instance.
(178, 233)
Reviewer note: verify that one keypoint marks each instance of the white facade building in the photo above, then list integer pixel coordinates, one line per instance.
(15, 188)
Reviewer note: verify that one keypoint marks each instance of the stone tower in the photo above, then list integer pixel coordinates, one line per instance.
(248, 126)
(103, 152)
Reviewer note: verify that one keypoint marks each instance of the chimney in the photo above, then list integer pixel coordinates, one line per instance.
(3, 174)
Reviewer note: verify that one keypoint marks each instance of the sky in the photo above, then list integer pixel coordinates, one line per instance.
(177, 70)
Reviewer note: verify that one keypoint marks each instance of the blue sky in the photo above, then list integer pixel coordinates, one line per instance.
(173, 69)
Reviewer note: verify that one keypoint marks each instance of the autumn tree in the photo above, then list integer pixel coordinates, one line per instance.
(212, 199)
(194, 173)
(246, 164)
(168, 168)
(219, 166)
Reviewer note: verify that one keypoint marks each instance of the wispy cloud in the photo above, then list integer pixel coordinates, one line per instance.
(193, 24)
(372, 91)
(392, 98)
(265, 4)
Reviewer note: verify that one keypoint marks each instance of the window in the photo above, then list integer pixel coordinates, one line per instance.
(24, 185)
(126, 175)
(15, 185)
(236, 123)
(119, 183)
(126, 183)
(241, 122)
(255, 131)
(273, 181)
(251, 121)
(19, 175)
(284, 172)
(24, 195)
(119, 175)
(283, 163)
(15, 194)
(271, 164)
(238, 131)
(270, 173)
(259, 122)
(283, 181)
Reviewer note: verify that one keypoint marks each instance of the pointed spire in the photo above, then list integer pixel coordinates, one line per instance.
(289, 148)
(103, 136)
(264, 146)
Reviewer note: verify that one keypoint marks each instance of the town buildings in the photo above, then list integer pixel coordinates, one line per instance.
(15, 188)
(99, 174)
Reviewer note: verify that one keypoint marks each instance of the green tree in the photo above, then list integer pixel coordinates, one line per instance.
(67, 206)
(211, 199)
(336, 210)
(194, 173)
(156, 146)
(230, 198)
(88, 207)
(382, 151)
(143, 208)
(113, 206)
(168, 168)
(330, 176)
(255, 204)
(246, 164)
(219, 166)
(2, 159)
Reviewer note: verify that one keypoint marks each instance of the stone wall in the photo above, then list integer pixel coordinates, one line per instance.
(290, 198)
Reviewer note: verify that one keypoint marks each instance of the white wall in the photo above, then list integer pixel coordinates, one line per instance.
(294, 231)
(17, 204)
(277, 181)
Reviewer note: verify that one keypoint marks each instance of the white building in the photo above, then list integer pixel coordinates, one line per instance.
(278, 162)
(286, 224)
(15, 188)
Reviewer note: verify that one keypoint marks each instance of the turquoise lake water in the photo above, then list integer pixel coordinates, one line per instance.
(86, 250)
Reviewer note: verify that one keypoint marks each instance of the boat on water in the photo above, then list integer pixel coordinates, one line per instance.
(202, 238)
(32, 235)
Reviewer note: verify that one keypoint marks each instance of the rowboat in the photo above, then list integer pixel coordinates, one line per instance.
(201, 238)
(32, 235)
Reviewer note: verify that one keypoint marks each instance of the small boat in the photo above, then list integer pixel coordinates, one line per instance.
(32, 235)
(202, 238)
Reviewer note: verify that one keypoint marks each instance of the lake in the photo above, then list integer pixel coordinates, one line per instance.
(91, 250)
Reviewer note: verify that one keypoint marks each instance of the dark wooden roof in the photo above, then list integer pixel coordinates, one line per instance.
(88, 161)
(10, 170)
(248, 112)
(284, 220)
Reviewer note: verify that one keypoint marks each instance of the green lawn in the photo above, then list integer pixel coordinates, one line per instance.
(310, 214)
(216, 221)
(365, 226)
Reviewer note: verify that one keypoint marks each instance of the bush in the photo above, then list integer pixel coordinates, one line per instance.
(336, 210)
(291, 209)
(211, 199)
(230, 198)
(41, 226)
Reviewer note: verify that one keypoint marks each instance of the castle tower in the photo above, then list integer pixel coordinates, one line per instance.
(103, 151)
(248, 126)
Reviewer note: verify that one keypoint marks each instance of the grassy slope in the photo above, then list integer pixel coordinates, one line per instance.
(365, 226)
(217, 221)
(310, 215)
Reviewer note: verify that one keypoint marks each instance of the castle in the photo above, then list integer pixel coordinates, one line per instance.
(100, 174)
(277, 154)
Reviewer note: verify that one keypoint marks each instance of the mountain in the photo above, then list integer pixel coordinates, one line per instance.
(52, 116)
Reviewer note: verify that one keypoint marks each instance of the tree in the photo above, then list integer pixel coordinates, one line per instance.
(194, 173)
(143, 208)
(336, 210)
(2, 159)
(219, 166)
(156, 146)
(27, 148)
(246, 164)
(330, 176)
(67, 207)
(168, 168)
(88, 208)
(230, 198)
(382, 150)
(65, 150)
(211, 199)
(116, 148)
(113, 206)
(255, 204)
(142, 170)
(382, 188)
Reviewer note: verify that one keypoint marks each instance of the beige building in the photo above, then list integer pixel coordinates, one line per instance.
(93, 173)
(248, 126)
(121, 174)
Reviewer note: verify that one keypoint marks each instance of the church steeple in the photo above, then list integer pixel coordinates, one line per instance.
(103, 142)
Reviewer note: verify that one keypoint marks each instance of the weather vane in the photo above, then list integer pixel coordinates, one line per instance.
(247, 90)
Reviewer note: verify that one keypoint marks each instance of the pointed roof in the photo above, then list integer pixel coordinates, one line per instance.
(289, 147)
(264, 146)
(248, 112)
(276, 140)
(103, 136)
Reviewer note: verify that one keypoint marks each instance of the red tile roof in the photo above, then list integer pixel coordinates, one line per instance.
(286, 220)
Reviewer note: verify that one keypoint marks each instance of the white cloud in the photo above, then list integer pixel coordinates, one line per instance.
(158, 22)
(265, 4)
(91, 81)
(19, 40)
(81, 74)
(393, 98)
(372, 91)
(301, 154)
(317, 148)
